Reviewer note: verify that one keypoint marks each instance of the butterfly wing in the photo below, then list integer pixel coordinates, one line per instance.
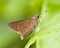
(24, 27)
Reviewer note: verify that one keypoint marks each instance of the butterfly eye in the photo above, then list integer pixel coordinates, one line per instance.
(38, 16)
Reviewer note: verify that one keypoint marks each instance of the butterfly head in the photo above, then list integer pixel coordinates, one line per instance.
(36, 16)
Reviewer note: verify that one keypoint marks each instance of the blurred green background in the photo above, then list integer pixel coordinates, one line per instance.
(12, 10)
(47, 34)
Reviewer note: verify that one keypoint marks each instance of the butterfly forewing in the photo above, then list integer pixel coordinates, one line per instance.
(25, 27)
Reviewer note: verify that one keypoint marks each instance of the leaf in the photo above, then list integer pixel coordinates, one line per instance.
(48, 35)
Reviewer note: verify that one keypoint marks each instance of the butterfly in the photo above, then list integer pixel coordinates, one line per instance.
(25, 27)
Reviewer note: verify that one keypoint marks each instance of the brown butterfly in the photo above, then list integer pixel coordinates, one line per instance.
(25, 27)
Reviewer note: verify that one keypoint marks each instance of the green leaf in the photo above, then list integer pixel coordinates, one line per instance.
(48, 35)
